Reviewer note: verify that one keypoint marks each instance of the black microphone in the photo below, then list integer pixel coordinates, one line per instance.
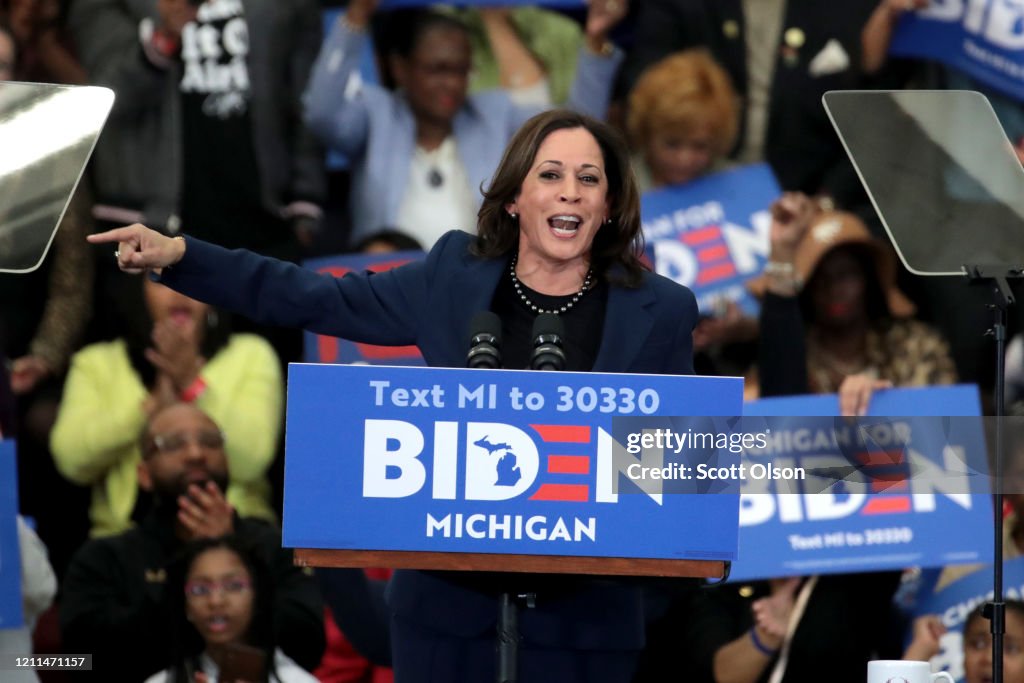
(484, 341)
(548, 333)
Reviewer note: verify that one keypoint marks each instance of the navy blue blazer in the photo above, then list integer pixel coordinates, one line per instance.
(429, 303)
(647, 329)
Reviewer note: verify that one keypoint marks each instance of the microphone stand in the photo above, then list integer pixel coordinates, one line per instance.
(996, 277)
(547, 355)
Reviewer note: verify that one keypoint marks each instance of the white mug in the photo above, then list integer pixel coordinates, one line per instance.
(902, 671)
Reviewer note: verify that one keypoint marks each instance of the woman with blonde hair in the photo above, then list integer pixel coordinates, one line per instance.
(683, 119)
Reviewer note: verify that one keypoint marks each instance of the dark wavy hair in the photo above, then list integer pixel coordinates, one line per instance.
(618, 245)
(186, 643)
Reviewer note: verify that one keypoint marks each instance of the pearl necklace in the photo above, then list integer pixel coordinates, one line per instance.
(536, 309)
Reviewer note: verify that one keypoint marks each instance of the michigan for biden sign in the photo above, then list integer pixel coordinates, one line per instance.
(711, 234)
(905, 486)
(491, 461)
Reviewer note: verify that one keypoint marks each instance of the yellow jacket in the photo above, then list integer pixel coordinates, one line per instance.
(95, 440)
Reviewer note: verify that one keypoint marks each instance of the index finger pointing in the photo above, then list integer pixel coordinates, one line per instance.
(115, 235)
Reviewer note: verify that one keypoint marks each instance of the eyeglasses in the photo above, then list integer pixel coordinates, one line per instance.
(195, 590)
(442, 68)
(176, 442)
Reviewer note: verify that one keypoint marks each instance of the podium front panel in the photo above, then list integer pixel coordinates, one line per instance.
(494, 462)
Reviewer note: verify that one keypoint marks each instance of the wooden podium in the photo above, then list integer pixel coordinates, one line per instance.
(540, 564)
(384, 472)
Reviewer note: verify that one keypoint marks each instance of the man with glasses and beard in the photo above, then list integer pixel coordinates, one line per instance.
(113, 603)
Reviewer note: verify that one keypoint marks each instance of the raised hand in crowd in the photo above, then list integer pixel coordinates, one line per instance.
(924, 643)
(602, 16)
(358, 12)
(898, 8)
(140, 249)
(792, 215)
(877, 33)
(855, 393)
(518, 67)
(44, 55)
(28, 19)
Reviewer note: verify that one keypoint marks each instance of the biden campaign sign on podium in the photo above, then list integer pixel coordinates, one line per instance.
(492, 461)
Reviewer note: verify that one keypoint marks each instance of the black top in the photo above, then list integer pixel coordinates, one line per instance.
(221, 195)
(583, 323)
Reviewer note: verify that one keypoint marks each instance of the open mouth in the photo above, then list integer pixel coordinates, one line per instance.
(565, 225)
(197, 476)
(181, 316)
(217, 624)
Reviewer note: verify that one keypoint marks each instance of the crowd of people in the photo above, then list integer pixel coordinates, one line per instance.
(246, 135)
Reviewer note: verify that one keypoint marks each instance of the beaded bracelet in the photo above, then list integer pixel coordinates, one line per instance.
(761, 647)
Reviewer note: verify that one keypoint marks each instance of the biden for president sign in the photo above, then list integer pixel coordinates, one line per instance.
(711, 235)
(491, 461)
(906, 485)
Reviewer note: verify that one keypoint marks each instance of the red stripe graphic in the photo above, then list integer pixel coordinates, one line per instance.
(894, 485)
(563, 433)
(576, 493)
(887, 505)
(703, 235)
(715, 253)
(716, 273)
(879, 458)
(569, 464)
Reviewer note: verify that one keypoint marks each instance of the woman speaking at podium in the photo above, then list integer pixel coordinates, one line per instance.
(558, 231)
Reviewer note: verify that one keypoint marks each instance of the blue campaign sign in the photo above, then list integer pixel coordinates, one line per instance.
(320, 348)
(711, 235)
(490, 461)
(983, 38)
(954, 602)
(879, 493)
(10, 557)
(952, 401)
